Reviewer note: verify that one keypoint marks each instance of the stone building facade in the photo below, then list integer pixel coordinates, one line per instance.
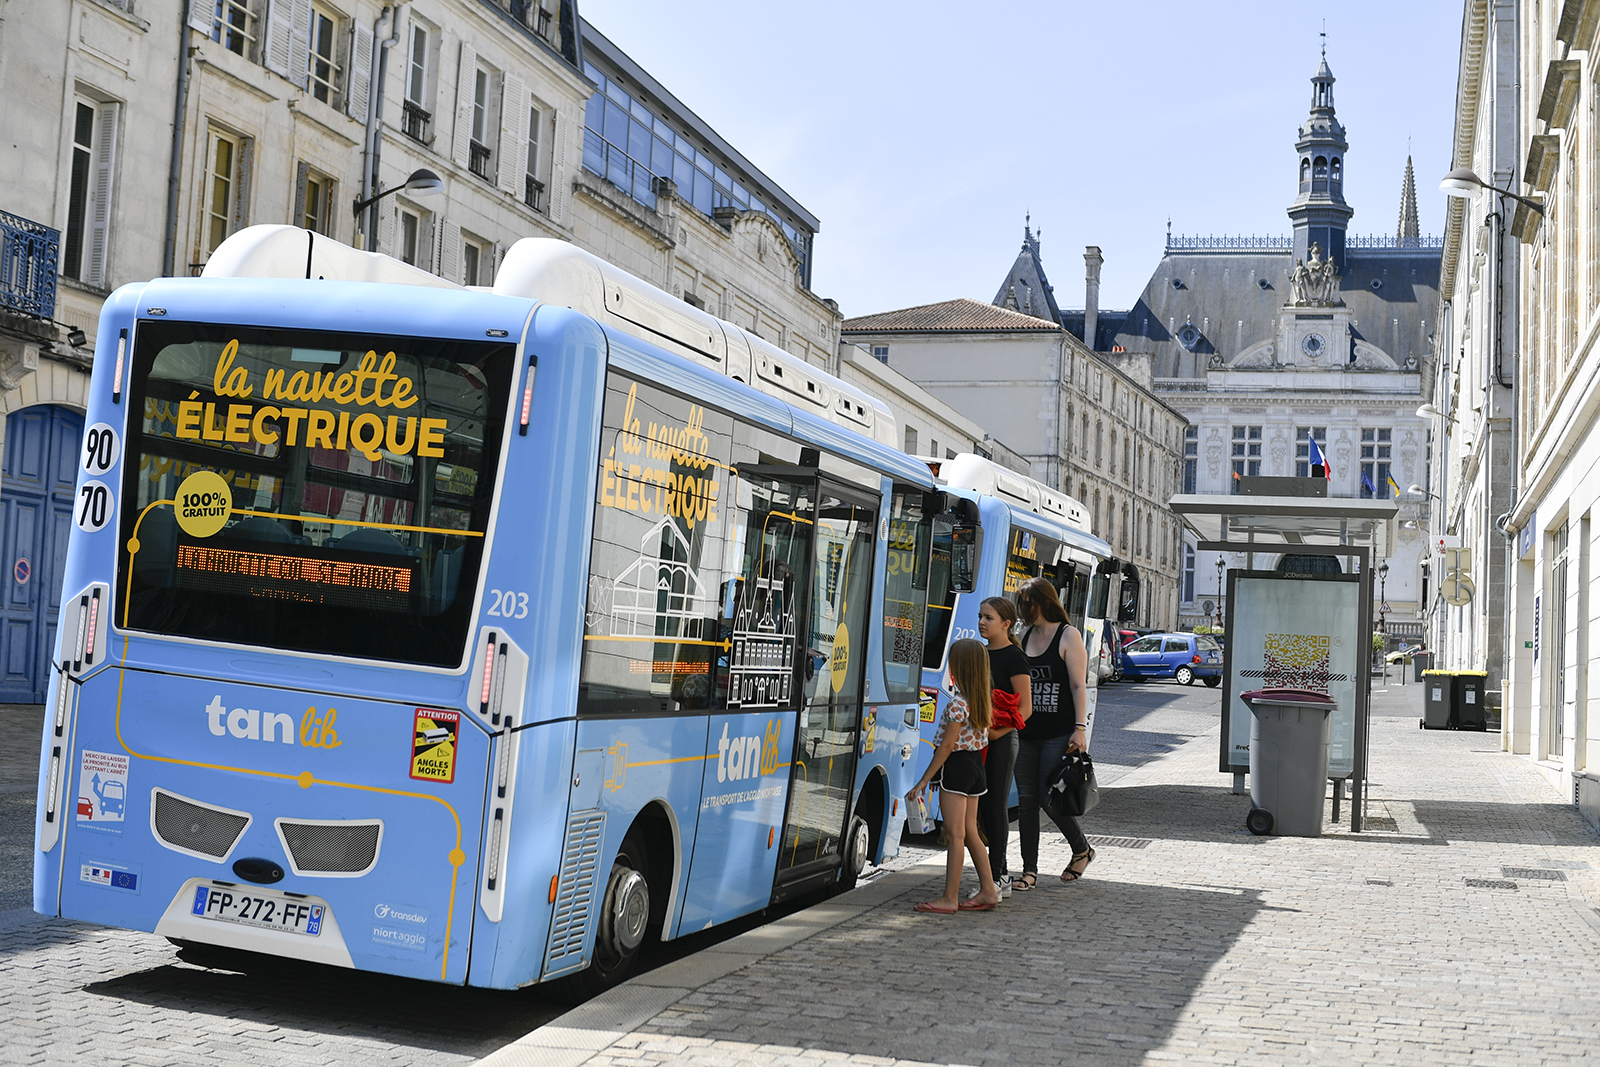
(1263, 344)
(1555, 595)
(1472, 382)
(1084, 426)
(146, 132)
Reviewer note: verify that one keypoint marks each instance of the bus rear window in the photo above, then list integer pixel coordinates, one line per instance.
(324, 493)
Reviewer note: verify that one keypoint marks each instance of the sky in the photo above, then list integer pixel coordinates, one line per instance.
(922, 134)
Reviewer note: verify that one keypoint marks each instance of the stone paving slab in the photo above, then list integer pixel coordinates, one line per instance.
(1427, 944)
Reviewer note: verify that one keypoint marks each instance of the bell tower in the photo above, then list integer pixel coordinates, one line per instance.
(1319, 213)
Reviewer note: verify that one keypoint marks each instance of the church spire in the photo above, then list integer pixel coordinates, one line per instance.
(1319, 213)
(1408, 233)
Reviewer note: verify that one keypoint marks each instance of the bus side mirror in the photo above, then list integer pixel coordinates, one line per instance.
(963, 557)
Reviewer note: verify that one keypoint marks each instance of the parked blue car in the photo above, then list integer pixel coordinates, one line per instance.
(1181, 656)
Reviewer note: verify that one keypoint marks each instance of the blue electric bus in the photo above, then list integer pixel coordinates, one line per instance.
(477, 636)
(1027, 531)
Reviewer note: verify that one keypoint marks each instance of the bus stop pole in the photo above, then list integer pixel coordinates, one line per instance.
(1363, 693)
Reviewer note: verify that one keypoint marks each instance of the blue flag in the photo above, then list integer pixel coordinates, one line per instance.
(1367, 483)
(1318, 459)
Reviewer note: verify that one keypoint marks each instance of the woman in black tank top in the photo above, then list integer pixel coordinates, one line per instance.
(1058, 663)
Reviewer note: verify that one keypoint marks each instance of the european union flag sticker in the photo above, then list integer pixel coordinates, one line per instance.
(109, 876)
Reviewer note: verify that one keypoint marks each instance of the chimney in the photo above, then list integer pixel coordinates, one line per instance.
(1091, 294)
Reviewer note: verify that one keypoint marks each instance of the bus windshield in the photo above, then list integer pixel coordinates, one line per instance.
(316, 492)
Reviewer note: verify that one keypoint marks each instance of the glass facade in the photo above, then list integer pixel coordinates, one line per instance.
(629, 146)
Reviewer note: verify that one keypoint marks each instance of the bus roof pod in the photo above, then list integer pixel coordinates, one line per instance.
(559, 272)
(290, 252)
(971, 471)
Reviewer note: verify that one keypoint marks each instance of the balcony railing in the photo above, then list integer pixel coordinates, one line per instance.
(479, 164)
(533, 194)
(415, 122)
(30, 253)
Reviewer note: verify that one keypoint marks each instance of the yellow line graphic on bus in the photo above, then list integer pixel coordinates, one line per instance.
(305, 780)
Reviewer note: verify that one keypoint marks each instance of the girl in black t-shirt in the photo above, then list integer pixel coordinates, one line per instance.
(1058, 662)
(1013, 704)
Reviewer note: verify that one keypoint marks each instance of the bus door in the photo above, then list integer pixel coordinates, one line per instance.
(832, 670)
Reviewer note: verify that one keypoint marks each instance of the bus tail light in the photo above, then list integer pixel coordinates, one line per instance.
(83, 629)
(527, 396)
(488, 676)
(94, 619)
(55, 777)
(494, 847)
(122, 355)
(499, 689)
(61, 698)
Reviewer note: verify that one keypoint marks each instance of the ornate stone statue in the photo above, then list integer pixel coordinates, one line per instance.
(1314, 282)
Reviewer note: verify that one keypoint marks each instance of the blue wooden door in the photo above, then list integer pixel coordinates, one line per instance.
(36, 486)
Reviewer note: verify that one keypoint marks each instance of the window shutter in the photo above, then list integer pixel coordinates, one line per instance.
(460, 150)
(360, 81)
(386, 228)
(558, 172)
(280, 21)
(100, 211)
(297, 209)
(449, 251)
(201, 17)
(300, 43)
(513, 134)
(241, 188)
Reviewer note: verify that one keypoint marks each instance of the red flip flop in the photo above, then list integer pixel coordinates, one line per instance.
(973, 905)
(930, 908)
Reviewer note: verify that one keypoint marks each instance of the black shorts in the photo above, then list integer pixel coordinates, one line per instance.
(962, 774)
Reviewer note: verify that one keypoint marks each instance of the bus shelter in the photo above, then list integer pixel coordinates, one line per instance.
(1303, 619)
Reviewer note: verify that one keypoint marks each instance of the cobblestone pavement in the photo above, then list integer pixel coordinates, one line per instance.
(1459, 933)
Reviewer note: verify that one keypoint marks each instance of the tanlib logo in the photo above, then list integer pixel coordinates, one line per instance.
(748, 757)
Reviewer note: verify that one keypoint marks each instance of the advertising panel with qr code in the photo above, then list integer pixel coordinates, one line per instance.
(1294, 633)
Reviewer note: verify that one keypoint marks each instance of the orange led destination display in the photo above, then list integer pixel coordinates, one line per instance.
(270, 574)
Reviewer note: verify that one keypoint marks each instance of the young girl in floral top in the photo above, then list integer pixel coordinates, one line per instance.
(958, 768)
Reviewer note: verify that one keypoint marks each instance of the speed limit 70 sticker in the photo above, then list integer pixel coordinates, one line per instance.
(94, 507)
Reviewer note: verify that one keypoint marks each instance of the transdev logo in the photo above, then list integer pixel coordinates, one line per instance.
(400, 913)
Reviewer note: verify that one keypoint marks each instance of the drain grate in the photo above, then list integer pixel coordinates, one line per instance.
(1565, 865)
(1537, 873)
(1381, 823)
(1489, 883)
(1380, 881)
(1118, 842)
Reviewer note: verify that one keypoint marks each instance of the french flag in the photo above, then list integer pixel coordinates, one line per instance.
(1318, 459)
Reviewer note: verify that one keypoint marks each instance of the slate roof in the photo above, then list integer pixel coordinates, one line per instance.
(949, 316)
(1026, 289)
(1220, 293)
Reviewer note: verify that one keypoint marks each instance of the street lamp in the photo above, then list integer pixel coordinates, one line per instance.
(1221, 566)
(1429, 411)
(1383, 585)
(1417, 489)
(1463, 184)
(422, 183)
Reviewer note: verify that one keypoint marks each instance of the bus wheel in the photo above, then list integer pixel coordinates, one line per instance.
(858, 847)
(624, 921)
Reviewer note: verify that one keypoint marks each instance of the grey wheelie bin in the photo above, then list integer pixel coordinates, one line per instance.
(1438, 699)
(1289, 732)
(1468, 702)
(1421, 661)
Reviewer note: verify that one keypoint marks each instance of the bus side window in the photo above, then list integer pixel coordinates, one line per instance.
(905, 595)
(941, 597)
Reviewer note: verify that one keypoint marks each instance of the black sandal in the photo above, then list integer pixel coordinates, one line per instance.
(1025, 881)
(1086, 858)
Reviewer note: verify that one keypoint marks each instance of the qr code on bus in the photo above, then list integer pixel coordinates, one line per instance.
(1296, 661)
